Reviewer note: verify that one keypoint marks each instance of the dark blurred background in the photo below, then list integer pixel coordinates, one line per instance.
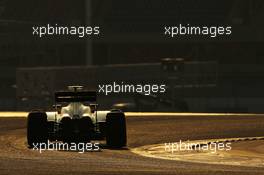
(220, 74)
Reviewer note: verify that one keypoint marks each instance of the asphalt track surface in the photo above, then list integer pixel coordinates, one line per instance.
(16, 158)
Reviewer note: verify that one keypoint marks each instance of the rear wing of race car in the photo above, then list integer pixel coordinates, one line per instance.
(81, 96)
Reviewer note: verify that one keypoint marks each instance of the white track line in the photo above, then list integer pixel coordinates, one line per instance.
(180, 114)
(152, 114)
(13, 114)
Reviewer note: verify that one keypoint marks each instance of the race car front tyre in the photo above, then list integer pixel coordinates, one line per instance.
(37, 128)
(116, 136)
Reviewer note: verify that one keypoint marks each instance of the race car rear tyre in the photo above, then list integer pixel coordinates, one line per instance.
(37, 128)
(86, 128)
(67, 130)
(116, 136)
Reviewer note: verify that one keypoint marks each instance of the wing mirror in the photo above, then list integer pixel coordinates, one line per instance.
(93, 107)
(57, 107)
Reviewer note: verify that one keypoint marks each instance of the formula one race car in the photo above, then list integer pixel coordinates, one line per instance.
(77, 121)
